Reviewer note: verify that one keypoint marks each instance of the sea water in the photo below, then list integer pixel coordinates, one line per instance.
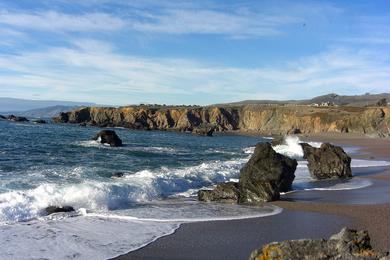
(59, 165)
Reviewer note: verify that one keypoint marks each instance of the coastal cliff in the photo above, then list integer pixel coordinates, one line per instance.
(252, 118)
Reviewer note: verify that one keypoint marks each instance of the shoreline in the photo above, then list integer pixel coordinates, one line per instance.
(187, 242)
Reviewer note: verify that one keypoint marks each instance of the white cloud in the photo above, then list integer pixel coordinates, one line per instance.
(53, 21)
(214, 22)
(98, 74)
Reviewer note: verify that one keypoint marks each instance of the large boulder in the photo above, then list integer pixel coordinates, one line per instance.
(108, 137)
(17, 118)
(348, 244)
(57, 209)
(327, 162)
(265, 175)
(224, 192)
(2, 117)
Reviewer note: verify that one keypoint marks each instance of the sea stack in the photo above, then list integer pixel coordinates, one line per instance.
(264, 176)
(108, 137)
(327, 162)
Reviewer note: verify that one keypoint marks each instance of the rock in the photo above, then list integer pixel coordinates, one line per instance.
(17, 118)
(294, 131)
(348, 244)
(54, 209)
(39, 121)
(265, 175)
(83, 124)
(108, 137)
(277, 140)
(2, 117)
(204, 130)
(327, 162)
(224, 192)
(117, 174)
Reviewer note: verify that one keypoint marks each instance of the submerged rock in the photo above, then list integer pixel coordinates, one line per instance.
(265, 175)
(108, 137)
(328, 161)
(347, 244)
(224, 192)
(54, 209)
(17, 118)
(39, 121)
(204, 130)
(117, 174)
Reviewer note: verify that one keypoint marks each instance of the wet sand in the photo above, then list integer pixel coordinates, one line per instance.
(307, 214)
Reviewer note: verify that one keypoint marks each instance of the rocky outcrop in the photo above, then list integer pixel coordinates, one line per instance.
(224, 192)
(327, 162)
(17, 118)
(39, 121)
(347, 244)
(265, 175)
(254, 118)
(108, 137)
(2, 117)
(56, 209)
(204, 130)
(262, 178)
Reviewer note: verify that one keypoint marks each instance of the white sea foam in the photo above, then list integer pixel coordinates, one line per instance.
(292, 148)
(106, 235)
(145, 185)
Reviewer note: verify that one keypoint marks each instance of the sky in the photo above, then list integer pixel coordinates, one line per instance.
(192, 52)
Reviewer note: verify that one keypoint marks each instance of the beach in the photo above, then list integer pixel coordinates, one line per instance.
(306, 214)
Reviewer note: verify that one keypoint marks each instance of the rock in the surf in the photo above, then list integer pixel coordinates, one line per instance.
(347, 244)
(117, 174)
(17, 118)
(265, 175)
(204, 130)
(56, 209)
(327, 162)
(2, 117)
(224, 192)
(39, 121)
(108, 137)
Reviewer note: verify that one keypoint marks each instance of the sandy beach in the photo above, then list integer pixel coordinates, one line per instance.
(307, 214)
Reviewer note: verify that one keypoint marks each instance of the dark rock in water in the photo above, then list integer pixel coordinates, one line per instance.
(17, 118)
(348, 244)
(117, 174)
(2, 117)
(39, 121)
(266, 174)
(327, 162)
(54, 209)
(83, 124)
(224, 192)
(306, 149)
(108, 137)
(204, 130)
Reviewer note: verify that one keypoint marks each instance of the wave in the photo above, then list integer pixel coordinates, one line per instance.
(142, 186)
(292, 148)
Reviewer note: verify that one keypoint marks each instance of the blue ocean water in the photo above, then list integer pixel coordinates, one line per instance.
(53, 164)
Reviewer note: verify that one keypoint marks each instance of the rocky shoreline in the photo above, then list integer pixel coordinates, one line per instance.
(274, 120)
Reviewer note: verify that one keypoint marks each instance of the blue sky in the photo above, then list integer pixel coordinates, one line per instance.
(192, 52)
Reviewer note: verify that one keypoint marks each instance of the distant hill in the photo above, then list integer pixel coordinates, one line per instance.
(18, 105)
(46, 112)
(357, 100)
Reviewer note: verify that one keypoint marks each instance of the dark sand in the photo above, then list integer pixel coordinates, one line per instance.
(235, 239)
(307, 214)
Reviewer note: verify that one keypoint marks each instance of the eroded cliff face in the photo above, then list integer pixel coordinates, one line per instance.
(254, 118)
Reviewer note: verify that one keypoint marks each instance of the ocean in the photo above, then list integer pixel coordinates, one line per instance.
(60, 165)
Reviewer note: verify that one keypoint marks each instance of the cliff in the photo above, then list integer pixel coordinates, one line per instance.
(254, 118)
